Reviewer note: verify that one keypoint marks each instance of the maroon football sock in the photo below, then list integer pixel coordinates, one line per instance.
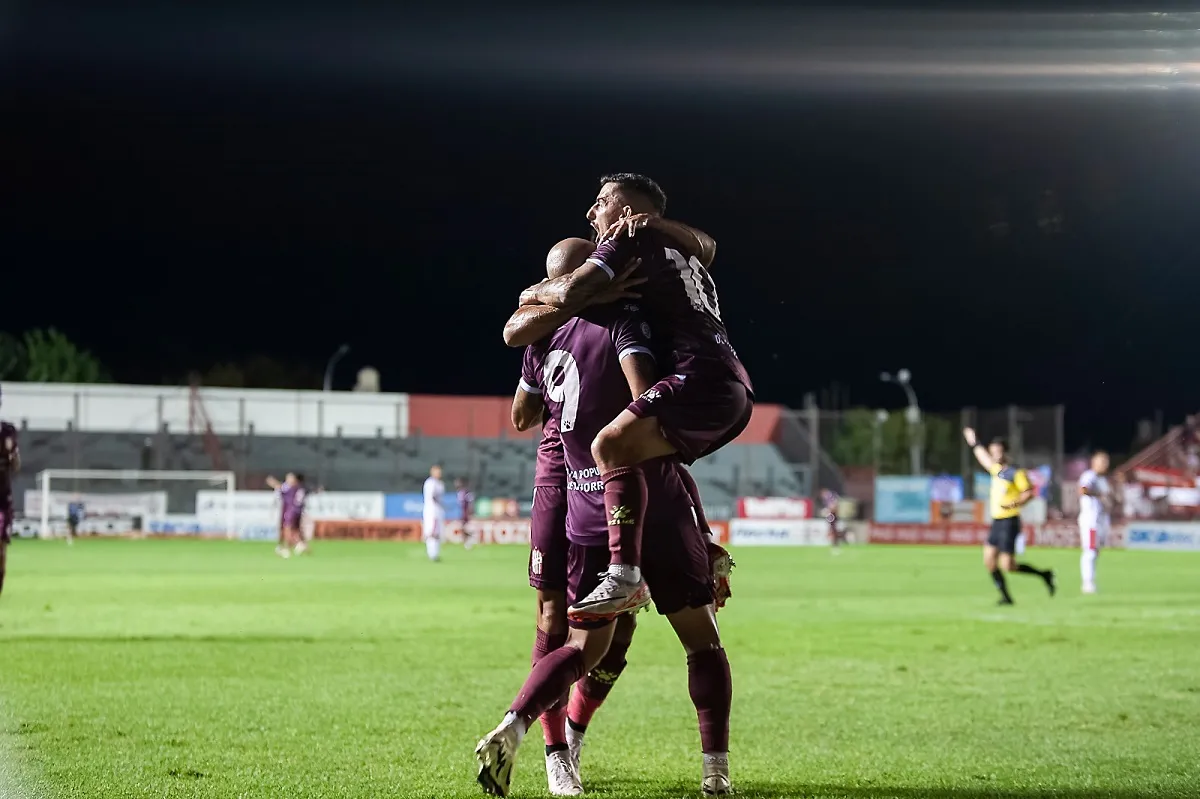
(711, 687)
(693, 491)
(543, 644)
(548, 683)
(592, 690)
(625, 506)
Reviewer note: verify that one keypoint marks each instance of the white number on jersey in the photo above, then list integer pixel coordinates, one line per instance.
(698, 283)
(560, 364)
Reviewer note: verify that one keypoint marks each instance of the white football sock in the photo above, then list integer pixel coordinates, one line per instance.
(433, 547)
(1087, 567)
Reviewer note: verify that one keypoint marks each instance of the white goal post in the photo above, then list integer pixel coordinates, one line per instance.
(47, 478)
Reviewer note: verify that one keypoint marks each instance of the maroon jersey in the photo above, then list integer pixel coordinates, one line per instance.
(679, 299)
(466, 503)
(292, 499)
(7, 431)
(551, 468)
(577, 370)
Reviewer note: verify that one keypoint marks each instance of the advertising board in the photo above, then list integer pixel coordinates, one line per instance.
(513, 531)
(1172, 536)
(778, 533)
(902, 500)
(774, 508)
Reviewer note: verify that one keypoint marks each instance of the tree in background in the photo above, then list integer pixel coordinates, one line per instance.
(12, 358)
(859, 433)
(48, 356)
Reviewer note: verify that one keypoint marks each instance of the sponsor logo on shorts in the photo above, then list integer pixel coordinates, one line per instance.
(535, 561)
(621, 516)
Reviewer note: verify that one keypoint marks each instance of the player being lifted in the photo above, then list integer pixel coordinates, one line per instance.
(1096, 500)
(584, 374)
(1011, 490)
(703, 403)
(10, 464)
(433, 513)
(292, 496)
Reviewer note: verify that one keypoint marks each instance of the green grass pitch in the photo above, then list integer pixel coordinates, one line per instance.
(214, 669)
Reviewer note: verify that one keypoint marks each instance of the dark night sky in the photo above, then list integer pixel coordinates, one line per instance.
(187, 203)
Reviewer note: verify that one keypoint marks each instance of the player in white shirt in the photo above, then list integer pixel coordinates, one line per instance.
(1096, 501)
(434, 514)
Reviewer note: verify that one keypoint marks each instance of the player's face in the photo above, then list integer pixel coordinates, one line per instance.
(436, 472)
(1100, 463)
(997, 452)
(609, 207)
(290, 479)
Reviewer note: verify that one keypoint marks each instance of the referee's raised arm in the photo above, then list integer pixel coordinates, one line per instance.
(981, 453)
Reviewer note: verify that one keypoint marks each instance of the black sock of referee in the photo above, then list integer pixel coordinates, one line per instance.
(1001, 584)
(1025, 568)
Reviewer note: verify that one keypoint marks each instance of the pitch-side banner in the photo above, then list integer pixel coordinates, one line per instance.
(774, 508)
(99, 506)
(256, 513)
(781, 533)
(1175, 536)
(515, 531)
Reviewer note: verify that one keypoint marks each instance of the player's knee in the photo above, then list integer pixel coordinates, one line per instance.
(552, 612)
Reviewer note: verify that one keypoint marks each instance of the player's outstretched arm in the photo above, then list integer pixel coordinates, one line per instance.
(273, 484)
(532, 323)
(694, 242)
(981, 453)
(527, 409)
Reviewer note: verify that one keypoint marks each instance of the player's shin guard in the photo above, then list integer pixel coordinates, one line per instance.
(1025, 568)
(625, 507)
(554, 720)
(593, 689)
(547, 683)
(1087, 569)
(711, 688)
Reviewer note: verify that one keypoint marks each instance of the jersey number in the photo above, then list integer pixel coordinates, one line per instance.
(698, 283)
(560, 375)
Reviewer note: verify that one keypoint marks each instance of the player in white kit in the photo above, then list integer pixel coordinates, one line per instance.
(1096, 500)
(433, 514)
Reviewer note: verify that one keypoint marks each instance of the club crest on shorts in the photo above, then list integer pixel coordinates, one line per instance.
(651, 395)
(621, 516)
(535, 561)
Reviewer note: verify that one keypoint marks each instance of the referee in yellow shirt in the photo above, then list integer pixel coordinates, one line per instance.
(1010, 490)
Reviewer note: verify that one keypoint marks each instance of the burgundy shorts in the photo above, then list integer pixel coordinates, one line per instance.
(697, 415)
(548, 539)
(6, 522)
(675, 566)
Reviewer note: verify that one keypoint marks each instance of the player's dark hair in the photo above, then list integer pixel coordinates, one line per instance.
(631, 181)
(1103, 452)
(299, 477)
(1001, 443)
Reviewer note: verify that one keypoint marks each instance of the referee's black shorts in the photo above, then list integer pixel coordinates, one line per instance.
(1004, 534)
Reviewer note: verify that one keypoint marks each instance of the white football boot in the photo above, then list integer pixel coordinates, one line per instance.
(562, 777)
(611, 598)
(716, 776)
(497, 754)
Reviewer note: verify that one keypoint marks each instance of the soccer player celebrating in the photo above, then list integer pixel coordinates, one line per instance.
(1011, 490)
(837, 529)
(466, 504)
(705, 401)
(1096, 500)
(292, 496)
(10, 464)
(433, 514)
(583, 374)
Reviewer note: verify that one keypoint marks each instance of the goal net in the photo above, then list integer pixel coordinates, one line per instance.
(130, 502)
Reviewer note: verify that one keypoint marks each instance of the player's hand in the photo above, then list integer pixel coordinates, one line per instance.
(529, 295)
(969, 435)
(9, 444)
(619, 288)
(627, 226)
